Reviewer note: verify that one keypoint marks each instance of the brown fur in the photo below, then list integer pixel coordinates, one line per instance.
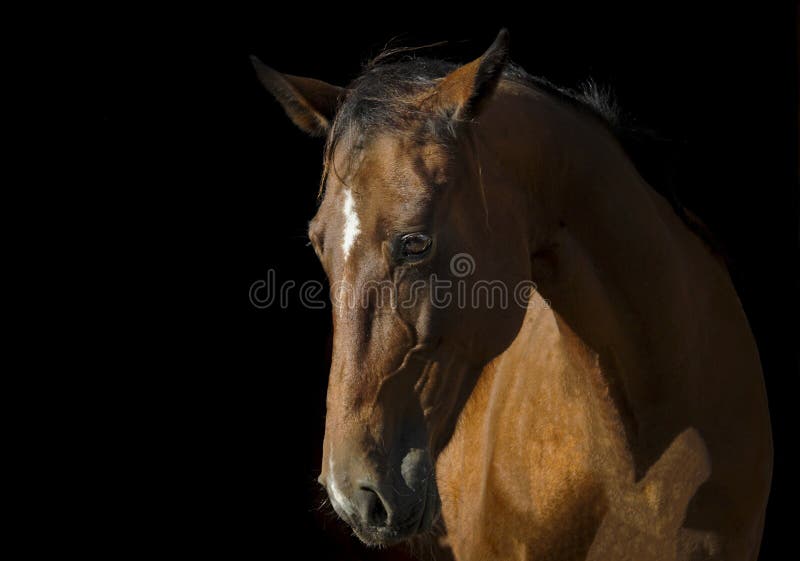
(621, 415)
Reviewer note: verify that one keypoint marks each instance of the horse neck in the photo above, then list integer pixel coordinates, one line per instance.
(583, 193)
(609, 254)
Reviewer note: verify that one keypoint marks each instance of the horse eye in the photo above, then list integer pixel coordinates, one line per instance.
(414, 245)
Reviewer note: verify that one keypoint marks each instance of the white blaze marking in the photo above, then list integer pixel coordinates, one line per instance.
(351, 223)
(336, 495)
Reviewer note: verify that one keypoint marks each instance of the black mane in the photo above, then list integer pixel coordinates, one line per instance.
(379, 96)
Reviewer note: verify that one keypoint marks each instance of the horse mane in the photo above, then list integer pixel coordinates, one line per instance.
(383, 95)
(650, 152)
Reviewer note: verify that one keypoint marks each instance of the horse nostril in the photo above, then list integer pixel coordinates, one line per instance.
(370, 507)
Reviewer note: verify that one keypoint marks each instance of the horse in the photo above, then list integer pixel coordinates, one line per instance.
(615, 410)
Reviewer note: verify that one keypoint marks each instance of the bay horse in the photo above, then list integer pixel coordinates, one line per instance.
(618, 412)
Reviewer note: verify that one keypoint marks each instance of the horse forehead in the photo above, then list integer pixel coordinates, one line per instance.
(388, 180)
(393, 159)
(407, 159)
(387, 169)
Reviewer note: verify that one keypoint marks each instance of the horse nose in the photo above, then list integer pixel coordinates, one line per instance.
(370, 505)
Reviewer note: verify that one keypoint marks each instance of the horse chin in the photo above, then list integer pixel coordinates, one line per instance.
(382, 537)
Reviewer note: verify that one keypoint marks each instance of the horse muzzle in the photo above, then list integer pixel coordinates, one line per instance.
(386, 510)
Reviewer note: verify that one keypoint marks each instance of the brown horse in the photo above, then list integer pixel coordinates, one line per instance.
(616, 411)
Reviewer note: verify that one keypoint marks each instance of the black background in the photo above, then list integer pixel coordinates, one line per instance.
(218, 406)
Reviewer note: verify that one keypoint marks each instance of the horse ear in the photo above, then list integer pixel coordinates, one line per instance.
(463, 93)
(310, 104)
